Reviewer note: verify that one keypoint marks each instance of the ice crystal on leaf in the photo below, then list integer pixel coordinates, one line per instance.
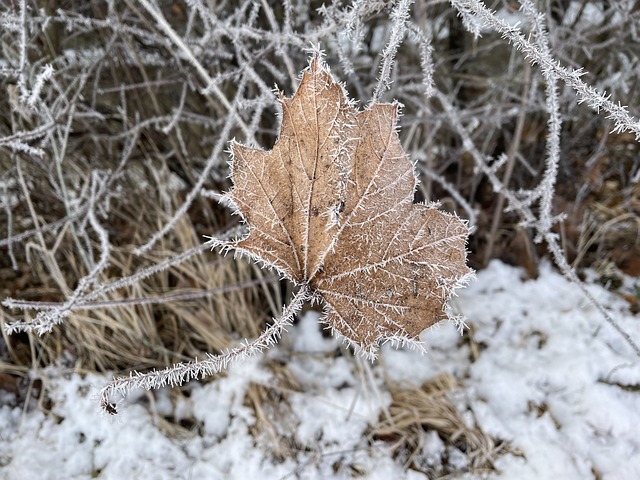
(331, 208)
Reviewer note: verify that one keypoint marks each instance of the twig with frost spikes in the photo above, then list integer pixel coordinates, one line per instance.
(351, 19)
(595, 100)
(10, 240)
(48, 257)
(100, 192)
(210, 84)
(147, 300)
(41, 78)
(46, 320)
(279, 47)
(233, 115)
(84, 300)
(522, 207)
(480, 161)
(22, 80)
(59, 153)
(561, 261)
(103, 190)
(526, 213)
(546, 189)
(527, 216)
(204, 175)
(78, 23)
(425, 47)
(183, 372)
(4, 199)
(510, 164)
(399, 17)
(178, 111)
(471, 213)
(17, 140)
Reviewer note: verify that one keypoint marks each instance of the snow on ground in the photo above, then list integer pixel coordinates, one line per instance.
(546, 374)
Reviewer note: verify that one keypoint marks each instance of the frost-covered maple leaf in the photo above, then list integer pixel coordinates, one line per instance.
(331, 208)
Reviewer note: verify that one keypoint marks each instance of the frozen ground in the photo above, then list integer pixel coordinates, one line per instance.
(540, 372)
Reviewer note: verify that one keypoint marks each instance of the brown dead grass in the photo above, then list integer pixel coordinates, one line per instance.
(148, 335)
(432, 408)
(275, 424)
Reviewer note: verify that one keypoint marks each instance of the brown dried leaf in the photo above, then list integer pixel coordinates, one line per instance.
(331, 207)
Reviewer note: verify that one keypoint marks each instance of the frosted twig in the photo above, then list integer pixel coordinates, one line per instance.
(42, 77)
(18, 146)
(22, 136)
(510, 164)
(545, 191)
(210, 84)
(426, 58)
(80, 23)
(561, 261)
(22, 81)
(546, 188)
(84, 304)
(178, 111)
(280, 49)
(469, 210)
(596, 100)
(399, 18)
(46, 320)
(12, 239)
(481, 161)
(9, 213)
(86, 300)
(183, 372)
(204, 175)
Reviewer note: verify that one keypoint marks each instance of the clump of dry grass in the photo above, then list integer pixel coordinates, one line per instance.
(204, 304)
(414, 412)
(403, 428)
(611, 229)
(275, 424)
